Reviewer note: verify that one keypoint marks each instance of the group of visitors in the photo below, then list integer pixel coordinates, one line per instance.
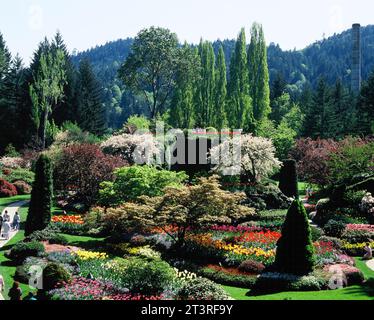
(6, 226)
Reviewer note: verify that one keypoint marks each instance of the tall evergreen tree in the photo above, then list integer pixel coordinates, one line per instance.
(15, 111)
(220, 118)
(343, 118)
(91, 110)
(259, 74)
(365, 108)
(5, 58)
(39, 215)
(204, 102)
(182, 112)
(66, 110)
(319, 114)
(46, 89)
(295, 251)
(239, 107)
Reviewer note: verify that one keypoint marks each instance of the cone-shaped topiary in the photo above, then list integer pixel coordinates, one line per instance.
(295, 251)
(39, 215)
(288, 179)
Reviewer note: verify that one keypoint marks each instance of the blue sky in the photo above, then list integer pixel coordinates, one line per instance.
(86, 23)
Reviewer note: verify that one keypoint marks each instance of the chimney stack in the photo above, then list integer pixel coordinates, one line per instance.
(356, 58)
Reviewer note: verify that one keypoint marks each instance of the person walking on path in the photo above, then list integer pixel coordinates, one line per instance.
(16, 221)
(1, 225)
(6, 216)
(6, 230)
(368, 252)
(15, 292)
(2, 284)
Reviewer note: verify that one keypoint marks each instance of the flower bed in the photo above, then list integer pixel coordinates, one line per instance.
(71, 219)
(360, 227)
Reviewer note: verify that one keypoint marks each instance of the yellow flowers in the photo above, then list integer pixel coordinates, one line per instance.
(347, 245)
(90, 255)
(207, 241)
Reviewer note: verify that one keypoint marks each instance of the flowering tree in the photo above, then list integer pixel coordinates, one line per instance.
(133, 148)
(252, 157)
(81, 168)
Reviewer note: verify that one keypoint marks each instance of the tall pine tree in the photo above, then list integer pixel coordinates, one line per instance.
(239, 107)
(365, 108)
(91, 110)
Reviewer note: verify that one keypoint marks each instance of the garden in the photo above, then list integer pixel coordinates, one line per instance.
(101, 227)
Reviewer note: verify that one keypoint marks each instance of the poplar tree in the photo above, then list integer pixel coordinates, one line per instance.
(220, 119)
(182, 110)
(259, 74)
(204, 102)
(239, 108)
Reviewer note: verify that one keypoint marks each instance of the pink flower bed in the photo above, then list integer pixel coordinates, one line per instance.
(360, 227)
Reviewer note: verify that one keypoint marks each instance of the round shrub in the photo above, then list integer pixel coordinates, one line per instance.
(7, 189)
(334, 228)
(148, 277)
(202, 289)
(22, 187)
(138, 240)
(21, 274)
(22, 250)
(42, 235)
(251, 266)
(54, 275)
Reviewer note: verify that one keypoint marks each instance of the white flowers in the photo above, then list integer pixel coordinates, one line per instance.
(137, 148)
(254, 156)
(185, 275)
(367, 204)
(14, 163)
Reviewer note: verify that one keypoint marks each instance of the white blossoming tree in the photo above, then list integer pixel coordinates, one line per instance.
(251, 157)
(134, 148)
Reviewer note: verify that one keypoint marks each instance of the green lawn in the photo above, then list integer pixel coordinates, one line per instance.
(350, 293)
(7, 269)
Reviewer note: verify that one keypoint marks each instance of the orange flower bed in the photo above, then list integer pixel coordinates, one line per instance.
(68, 219)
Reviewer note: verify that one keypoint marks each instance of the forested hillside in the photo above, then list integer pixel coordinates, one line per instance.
(330, 58)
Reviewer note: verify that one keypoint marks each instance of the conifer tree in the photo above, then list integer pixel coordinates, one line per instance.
(39, 215)
(365, 108)
(295, 251)
(288, 182)
(220, 118)
(91, 110)
(239, 107)
(259, 74)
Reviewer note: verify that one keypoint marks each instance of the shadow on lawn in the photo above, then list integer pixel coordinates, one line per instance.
(91, 244)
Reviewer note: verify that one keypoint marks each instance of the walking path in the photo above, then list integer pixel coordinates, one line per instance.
(370, 264)
(12, 209)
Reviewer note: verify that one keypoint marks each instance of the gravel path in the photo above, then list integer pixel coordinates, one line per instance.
(12, 209)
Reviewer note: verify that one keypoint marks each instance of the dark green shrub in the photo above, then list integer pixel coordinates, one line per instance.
(288, 181)
(53, 275)
(334, 228)
(357, 236)
(39, 215)
(58, 239)
(295, 251)
(202, 289)
(251, 266)
(226, 279)
(21, 275)
(42, 235)
(316, 233)
(22, 250)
